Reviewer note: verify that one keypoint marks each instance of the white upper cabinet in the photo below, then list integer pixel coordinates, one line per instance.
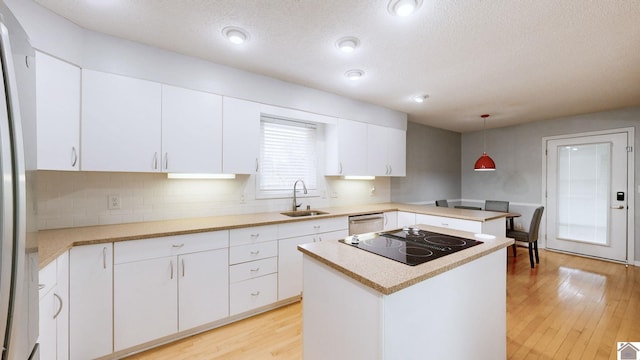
(241, 136)
(191, 131)
(58, 113)
(386, 151)
(346, 148)
(121, 123)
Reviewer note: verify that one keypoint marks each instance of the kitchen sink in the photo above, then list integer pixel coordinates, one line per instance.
(300, 213)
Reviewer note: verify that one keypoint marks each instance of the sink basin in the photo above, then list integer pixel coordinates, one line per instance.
(300, 213)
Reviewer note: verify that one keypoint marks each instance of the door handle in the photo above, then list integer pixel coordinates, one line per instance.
(618, 207)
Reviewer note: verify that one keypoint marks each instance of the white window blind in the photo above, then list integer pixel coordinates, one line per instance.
(288, 153)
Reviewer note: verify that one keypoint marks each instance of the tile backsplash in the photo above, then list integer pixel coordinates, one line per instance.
(74, 199)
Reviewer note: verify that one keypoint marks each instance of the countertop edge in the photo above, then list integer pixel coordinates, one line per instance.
(405, 283)
(67, 238)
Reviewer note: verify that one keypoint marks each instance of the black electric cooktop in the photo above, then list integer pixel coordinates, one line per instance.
(411, 246)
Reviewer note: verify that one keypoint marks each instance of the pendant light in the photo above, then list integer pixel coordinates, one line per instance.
(485, 162)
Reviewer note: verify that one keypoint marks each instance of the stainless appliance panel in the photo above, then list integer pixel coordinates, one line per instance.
(361, 224)
(18, 277)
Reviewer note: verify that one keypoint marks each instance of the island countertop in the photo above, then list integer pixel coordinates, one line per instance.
(52, 243)
(388, 276)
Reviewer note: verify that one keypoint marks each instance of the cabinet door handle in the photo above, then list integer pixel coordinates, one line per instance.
(104, 257)
(340, 171)
(171, 264)
(390, 170)
(166, 160)
(60, 308)
(257, 165)
(255, 293)
(155, 160)
(182, 260)
(74, 156)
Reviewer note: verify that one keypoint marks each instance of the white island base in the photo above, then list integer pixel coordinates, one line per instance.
(458, 314)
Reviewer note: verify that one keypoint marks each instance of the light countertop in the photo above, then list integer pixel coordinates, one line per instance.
(388, 276)
(52, 243)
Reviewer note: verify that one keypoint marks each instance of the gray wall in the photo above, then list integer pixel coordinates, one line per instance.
(517, 151)
(433, 166)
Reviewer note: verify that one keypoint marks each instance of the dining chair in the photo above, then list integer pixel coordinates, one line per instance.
(496, 205)
(531, 236)
(442, 203)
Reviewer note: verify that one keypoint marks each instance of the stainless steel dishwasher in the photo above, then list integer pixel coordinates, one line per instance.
(360, 224)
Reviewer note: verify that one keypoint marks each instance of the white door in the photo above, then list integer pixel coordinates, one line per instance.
(587, 195)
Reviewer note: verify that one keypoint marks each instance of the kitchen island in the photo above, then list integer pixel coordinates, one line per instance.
(359, 305)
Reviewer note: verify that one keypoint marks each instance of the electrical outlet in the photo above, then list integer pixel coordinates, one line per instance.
(114, 202)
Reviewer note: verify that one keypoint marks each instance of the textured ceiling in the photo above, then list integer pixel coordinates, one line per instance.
(519, 61)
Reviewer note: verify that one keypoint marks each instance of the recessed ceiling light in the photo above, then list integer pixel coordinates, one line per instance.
(403, 7)
(347, 44)
(420, 98)
(235, 34)
(354, 74)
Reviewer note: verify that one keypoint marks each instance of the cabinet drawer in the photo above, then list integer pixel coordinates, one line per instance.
(136, 250)
(253, 269)
(309, 227)
(254, 293)
(451, 223)
(252, 235)
(47, 279)
(244, 253)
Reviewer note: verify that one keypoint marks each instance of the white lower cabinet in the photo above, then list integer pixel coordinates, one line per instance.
(390, 220)
(406, 218)
(290, 259)
(160, 296)
(90, 301)
(145, 301)
(203, 288)
(54, 309)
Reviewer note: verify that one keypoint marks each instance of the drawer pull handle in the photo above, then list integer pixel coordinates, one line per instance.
(254, 270)
(177, 246)
(255, 293)
(41, 286)
(445, 224)
(255, 236)
(255, 252)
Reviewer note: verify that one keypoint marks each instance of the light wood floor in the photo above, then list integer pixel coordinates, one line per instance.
(567, 308)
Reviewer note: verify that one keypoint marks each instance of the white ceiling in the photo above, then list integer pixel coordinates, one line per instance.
(519, 61)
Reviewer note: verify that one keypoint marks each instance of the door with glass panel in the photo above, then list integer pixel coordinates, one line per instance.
(587, 195)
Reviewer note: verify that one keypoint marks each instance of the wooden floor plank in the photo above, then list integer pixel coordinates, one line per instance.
(568, 307)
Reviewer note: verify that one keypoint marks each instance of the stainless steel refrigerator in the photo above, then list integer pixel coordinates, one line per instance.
(18, 228)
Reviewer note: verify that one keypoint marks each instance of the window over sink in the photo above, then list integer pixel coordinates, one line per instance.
(288, 152)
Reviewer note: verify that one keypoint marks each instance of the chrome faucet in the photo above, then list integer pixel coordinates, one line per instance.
(295, 205)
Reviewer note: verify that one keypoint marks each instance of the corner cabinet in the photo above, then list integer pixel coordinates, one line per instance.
(387, 149)
(346, 148)
(191, 131)
(240, 136)
(165, 285)
(91, 301)
(121, 123)
(58, 114)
